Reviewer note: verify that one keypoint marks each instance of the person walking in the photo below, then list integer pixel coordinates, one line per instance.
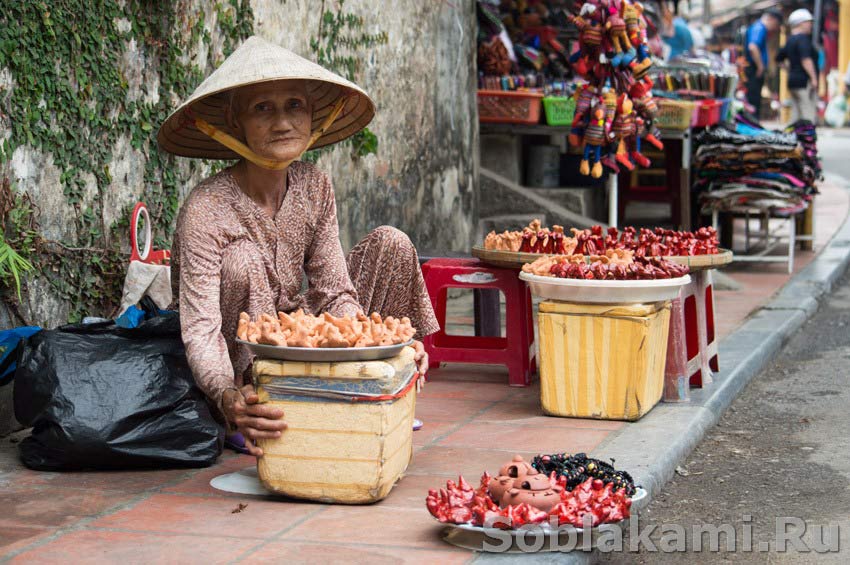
(799, 54)
(756, 54)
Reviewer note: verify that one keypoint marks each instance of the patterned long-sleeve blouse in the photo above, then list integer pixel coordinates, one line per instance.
(303, 238)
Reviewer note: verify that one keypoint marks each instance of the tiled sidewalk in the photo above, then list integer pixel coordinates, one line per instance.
(473, 421)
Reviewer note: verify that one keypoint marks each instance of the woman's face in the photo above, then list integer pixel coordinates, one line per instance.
(273, 119)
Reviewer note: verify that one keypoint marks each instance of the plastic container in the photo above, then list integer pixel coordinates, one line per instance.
(559, 110)
(604, 292)
(350, 434)
(674, 114)
(498, 107)
(707, 113)
(602, 361)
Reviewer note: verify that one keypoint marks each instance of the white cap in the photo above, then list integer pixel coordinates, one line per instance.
(800, 16)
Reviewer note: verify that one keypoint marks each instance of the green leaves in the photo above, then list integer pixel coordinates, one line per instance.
(12, 265)
(363, 143)
(71, 100)
(340, 47)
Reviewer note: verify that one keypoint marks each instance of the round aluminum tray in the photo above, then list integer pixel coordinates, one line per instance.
(532, 538)
(324, 354)
(604, 292)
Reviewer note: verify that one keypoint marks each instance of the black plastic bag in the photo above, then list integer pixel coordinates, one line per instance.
(103, 397)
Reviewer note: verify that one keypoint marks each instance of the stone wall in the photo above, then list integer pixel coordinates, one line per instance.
(422, 180)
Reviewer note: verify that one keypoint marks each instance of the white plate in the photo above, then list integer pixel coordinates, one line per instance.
(244, 481)
(604, 292)
(324, 354)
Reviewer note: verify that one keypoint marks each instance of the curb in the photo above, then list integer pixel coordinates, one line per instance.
(652, 447)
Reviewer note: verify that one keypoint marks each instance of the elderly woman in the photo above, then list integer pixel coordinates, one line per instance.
(247, 236)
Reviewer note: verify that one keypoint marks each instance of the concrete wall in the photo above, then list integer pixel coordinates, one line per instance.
(422, 180)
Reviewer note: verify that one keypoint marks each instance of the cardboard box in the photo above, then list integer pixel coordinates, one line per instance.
(602, 361)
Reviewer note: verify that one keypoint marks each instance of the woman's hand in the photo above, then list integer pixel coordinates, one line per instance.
(253, 420)
(421, 359)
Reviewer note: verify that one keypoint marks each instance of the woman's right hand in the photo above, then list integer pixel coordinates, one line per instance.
(253, 420)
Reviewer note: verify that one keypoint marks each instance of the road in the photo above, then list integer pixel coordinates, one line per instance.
(781, 452)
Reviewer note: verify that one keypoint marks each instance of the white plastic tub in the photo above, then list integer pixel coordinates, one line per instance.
(604, 292)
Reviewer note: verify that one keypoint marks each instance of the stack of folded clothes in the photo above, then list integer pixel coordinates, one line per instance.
(751, 167)
(808, 138)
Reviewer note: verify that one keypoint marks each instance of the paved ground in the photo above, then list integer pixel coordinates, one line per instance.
(473, 421)
(780, 451)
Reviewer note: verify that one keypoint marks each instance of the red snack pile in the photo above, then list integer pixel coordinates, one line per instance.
(647, 243)
(459, 503)
(614, 265)
(642, 268)
(535, 238)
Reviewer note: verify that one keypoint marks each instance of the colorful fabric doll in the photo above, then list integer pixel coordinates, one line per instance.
(594, 139)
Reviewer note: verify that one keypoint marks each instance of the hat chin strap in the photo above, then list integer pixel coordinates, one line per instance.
(271, 164)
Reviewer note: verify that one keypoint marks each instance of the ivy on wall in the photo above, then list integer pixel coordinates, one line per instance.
(339, 46)
(70, 99)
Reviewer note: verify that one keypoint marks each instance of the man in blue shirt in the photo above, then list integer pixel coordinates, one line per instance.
(756, 53)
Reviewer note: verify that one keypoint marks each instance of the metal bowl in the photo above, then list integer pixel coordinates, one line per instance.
(324, 354)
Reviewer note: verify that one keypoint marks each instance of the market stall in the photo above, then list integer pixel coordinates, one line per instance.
(582, 81)
(771, 176)
(575, 74)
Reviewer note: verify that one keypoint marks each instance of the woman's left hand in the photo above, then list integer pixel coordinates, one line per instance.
(421, 359)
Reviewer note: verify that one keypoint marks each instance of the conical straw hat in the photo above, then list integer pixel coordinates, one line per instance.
(257, 61)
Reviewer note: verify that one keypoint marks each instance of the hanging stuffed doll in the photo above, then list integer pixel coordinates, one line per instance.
(590, 30)
(594, 138)
(633, 144)
(610, 99)
(615, 26)
(585, 95)
(636, 32)
(647, 109)
(623, 128)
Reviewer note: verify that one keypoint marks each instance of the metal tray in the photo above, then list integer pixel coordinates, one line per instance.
(539, 538)
(324, 354)
(604, 292)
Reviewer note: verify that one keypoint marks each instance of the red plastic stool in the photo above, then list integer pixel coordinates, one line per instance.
(516, 351)
(700, 336)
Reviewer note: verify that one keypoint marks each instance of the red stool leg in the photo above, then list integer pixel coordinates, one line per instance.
(692, 336)
(676, 369)
(517, 332)
(529, 315)
(713, 361)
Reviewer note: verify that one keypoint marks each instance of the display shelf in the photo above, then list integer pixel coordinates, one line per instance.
(520, 129)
